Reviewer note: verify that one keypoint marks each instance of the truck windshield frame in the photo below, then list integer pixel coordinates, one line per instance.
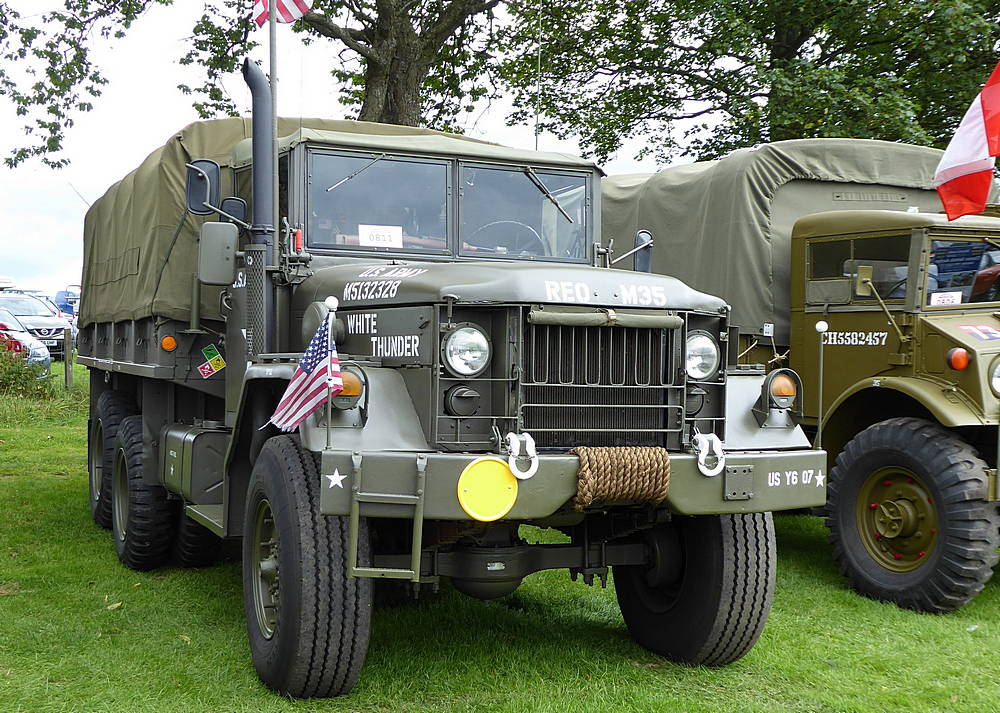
(364, 202)
(961, 272)
(553, 223)
(378, 203)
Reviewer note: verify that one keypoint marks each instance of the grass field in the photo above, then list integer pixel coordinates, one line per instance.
(80, 633)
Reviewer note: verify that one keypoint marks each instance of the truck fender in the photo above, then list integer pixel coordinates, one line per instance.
(876, 399)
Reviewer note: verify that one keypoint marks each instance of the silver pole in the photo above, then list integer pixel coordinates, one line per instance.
(821, 327)
(272, 21)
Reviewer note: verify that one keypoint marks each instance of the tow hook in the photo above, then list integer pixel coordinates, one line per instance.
(522, 457)
(711, 457)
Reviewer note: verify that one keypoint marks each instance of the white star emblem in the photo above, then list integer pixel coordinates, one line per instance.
(819, 479)
(336, 479)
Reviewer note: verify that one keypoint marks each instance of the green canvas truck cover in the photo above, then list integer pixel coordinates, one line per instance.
(140, 245)
(725, 226)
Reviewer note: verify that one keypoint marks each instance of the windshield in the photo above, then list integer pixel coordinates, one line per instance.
(523, 212)
(962, 271)
(8, 320)
(25, 306)
(377, 202)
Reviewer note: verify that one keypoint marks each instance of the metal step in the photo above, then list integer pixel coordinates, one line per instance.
(211, 516)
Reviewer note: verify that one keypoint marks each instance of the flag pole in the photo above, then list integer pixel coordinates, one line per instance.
(272, 21)
(331, 303)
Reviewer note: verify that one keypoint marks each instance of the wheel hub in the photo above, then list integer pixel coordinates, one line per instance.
(265, 583)
(897, 519)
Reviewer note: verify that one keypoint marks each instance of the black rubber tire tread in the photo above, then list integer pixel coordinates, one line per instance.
(112, 407)
(194, 544)
(150, 530)
(969, 527)
(324, 616)
(724, 595)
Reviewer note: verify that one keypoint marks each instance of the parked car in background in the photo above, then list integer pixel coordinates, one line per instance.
(14, 337)
(68, 299)
(40, 319)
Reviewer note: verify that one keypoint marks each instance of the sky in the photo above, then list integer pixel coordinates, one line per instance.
(43, 208)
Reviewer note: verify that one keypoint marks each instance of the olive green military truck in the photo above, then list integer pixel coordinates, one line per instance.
(496, 374)
(846, 235)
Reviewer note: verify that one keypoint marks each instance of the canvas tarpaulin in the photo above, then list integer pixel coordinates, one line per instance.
(724, 226)
(140, 245)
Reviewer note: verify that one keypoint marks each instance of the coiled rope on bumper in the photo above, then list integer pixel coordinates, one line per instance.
(621, 475)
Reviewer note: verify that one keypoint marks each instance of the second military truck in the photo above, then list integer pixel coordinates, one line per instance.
(496, 374)
(846, 235)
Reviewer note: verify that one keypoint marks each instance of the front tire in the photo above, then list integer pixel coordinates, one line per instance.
(142, 516)
(908, 518)
(308, 621)
(112, 407)
(706, 596)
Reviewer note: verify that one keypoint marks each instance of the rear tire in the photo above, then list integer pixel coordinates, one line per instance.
(706, 597)
(308, 621)
(111, 408)
(194, 544)
(930, 543)
(142, 516)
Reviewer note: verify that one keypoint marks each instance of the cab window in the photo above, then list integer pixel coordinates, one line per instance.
(377, 203)
(962, 271)
(887, 256)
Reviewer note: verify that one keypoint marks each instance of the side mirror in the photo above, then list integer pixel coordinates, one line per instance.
(201, 187)
(217, 253)
(862, 281)
(233, 210)
(643, 251)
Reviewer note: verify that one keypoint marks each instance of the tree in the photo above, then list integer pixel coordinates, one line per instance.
(703, 77)
(46, 70)
(412, 62)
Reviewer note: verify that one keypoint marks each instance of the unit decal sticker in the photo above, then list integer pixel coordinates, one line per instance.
(214, 362)
(402, 345)
(855, 339)
(981, 331)
(380, 236)
(643, 295)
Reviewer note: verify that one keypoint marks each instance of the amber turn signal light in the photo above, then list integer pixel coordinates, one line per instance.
(352, 384)
(168, 343)
(783, 386)
(958, 359)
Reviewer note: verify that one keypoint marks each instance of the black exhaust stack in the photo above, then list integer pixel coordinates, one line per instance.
(262, 231)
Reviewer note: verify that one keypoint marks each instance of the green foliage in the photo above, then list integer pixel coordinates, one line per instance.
(22, 379)
(46, 69)
(703, 77)
(420, 62)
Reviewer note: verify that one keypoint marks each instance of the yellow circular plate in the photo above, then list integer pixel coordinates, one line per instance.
(487, 489)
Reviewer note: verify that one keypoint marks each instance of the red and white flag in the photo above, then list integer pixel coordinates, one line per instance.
(316, 379)
(288, 10)
(965, 174)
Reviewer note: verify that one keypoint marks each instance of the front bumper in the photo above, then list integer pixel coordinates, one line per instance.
(754, 481)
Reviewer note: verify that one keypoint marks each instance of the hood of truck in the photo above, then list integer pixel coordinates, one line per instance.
(366, 285)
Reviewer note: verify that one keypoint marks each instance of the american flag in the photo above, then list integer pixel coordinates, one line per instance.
(316, 379)
(288, 10)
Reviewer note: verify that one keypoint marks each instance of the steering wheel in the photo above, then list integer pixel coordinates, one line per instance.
(514, 246)
(895, 286)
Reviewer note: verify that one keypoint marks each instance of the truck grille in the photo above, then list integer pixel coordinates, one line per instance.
(600, 386)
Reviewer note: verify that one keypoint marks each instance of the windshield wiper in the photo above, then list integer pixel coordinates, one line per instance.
(548, 194)
(345, 179)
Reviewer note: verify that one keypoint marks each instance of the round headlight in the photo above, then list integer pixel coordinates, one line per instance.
(995, 377)
(702, 356)
(466, 351)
